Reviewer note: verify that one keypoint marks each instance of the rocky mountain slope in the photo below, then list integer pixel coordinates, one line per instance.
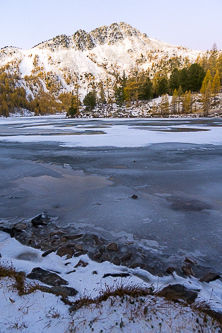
(58, 65)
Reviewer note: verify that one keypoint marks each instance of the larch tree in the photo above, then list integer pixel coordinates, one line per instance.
(216, 84)
(180, 93)
(164, 105)
(187, 102)
(206, 80)
(154, 108)
(102, 97)
(206, 97)
(174, 102)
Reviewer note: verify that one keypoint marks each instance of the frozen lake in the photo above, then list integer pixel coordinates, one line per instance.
(84, 172)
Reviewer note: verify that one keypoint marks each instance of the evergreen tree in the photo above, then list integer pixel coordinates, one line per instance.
(145, 88)
(196, 75)
(162, 86)
(90, 100)
(73, 110)
(174, 80)
(183, 79)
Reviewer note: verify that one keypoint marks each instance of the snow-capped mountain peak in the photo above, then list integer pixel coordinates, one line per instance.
(59, 63)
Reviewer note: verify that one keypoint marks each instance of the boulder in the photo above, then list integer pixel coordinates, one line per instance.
(97, 255)
(190, 261)
(48, 252)
(116, 261)
(46, 277)
(210, 277)
(187, 270)
(63, 291)
(170, 270)
(80, 253)
(65, 238)
(127, 256)
(81, 263)
(178, 292)
(97, 240)
(105, 257)
(79, 247)
(137, 264)
(20, 226)
(112, 247)
(62, 251)
(40, 220)
(122, 275)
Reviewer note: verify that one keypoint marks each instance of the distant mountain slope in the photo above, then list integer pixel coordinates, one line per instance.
(57, 65)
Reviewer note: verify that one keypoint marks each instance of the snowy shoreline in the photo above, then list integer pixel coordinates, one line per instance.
(88, 279)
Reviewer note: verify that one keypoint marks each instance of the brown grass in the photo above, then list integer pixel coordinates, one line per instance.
(119, 291)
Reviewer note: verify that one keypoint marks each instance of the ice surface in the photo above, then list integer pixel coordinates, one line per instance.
(126, 133)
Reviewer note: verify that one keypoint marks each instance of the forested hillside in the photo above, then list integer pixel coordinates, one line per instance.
(111, 68)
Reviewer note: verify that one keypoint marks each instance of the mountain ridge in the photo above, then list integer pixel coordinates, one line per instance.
(83, 60)
(116, 31)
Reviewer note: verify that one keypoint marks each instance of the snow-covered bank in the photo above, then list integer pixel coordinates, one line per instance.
(40, 311)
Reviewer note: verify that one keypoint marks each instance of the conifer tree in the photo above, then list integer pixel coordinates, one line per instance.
(174, 102)
(206, 80)
(174, 80)
(90, 100)
(162, 86)
(196, 75)
(180, 93)
(154, 108)
(108, 86)
(219, 65)
(183, 79)
(187, 103)
(102, 98)
(206, 96)
(216, 84)
(145, 88)
(164, 105)
(73, 110)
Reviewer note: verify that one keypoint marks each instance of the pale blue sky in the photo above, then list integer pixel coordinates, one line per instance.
(196, 24)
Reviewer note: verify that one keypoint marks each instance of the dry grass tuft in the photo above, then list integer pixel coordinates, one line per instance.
(20, 283)
(119, 291)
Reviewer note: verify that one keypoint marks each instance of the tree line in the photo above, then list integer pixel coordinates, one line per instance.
(202, 77)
